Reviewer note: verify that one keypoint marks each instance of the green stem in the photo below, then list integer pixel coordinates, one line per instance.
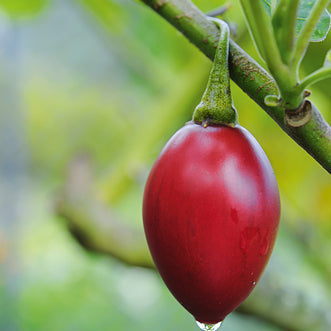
(216, 107)
(283, 22)
(252, 23)
(316, 76)
(262, 31)
(306, 32)
(314, 137)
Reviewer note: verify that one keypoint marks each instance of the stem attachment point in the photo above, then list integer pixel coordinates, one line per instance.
(216, 106)
(299, 117)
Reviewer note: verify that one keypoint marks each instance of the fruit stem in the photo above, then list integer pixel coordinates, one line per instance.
(216, 106)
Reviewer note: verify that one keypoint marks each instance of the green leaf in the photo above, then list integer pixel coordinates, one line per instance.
(21, 9)
(305, 6)
(322, 27)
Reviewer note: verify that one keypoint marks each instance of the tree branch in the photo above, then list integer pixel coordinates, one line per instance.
(95, 226)
(313, 136)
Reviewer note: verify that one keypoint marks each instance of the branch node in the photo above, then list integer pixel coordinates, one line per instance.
(299, 117)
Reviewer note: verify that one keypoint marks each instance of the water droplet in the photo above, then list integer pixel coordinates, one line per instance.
(209, 327)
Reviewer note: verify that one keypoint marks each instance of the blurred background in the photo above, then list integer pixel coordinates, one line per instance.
(90, 91)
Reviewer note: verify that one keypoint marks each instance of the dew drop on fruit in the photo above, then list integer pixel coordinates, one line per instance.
(209, 327)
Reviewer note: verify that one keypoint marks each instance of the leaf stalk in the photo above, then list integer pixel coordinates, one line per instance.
(316, 76)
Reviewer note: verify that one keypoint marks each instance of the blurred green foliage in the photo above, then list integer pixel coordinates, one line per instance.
(111, 79)
(18, 9)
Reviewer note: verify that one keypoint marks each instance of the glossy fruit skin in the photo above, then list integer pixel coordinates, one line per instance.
(211, 212)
